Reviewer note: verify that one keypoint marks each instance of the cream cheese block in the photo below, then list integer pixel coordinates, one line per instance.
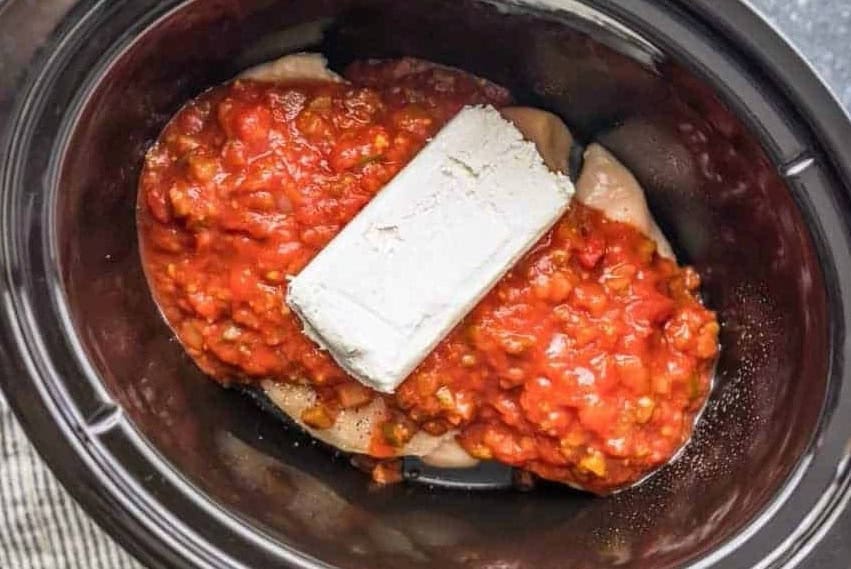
(428, 247)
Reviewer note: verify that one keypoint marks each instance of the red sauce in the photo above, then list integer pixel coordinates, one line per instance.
(586, 364)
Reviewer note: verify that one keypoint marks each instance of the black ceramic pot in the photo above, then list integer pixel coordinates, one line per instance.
(745, 156)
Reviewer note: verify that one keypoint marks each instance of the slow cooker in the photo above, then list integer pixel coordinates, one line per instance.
(745, 157)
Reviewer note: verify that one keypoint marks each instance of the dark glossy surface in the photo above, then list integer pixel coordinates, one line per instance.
(820, 29)
(774, 256)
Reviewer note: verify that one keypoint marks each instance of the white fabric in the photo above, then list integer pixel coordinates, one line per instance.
(41, 526)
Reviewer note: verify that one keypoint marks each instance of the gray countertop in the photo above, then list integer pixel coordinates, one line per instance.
(820, 29)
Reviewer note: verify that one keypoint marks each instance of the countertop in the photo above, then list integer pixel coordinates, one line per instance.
(820, 29)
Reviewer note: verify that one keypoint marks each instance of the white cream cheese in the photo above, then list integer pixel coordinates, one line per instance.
(426, 249)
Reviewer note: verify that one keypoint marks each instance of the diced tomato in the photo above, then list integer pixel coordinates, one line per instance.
(586, 363)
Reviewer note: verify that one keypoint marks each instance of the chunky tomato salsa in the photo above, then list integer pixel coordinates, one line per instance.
(586, 364)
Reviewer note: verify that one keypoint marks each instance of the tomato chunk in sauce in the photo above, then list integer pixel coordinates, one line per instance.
(586, 364)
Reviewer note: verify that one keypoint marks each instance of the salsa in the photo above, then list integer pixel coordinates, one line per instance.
(586, 364)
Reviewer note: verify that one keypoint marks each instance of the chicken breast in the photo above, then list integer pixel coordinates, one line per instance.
(294, 67)
(604, 184)
(547, 131)
(354, 427)
(607, 185)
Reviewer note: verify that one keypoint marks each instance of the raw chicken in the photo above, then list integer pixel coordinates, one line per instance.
(604, 184)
